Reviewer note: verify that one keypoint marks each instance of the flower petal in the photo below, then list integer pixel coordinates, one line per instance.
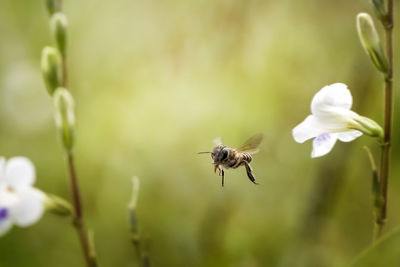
(322, 144)
(5, 225)
(349, 136)
(19, 173)
(7, 201)
(331, 96)
(307, 129)
(30, 207)
(2, 164)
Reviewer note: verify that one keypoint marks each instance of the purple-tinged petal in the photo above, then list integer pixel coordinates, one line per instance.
(4, 213)
(322, 144)
(7, 202)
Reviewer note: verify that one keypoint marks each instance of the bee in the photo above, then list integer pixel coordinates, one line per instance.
(226, 157)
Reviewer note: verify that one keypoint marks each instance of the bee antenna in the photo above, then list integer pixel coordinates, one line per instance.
(203, 152)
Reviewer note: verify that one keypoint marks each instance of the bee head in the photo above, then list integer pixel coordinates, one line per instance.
(219, 154)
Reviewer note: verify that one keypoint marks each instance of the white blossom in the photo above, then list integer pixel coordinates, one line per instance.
(20, 203)
(331, 119)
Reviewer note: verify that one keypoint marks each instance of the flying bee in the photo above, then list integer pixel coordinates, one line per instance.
(226, 157)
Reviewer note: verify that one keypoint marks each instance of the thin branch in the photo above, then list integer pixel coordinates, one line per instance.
(140, 243)
(86, 238)
(78, 221)
(388, 112)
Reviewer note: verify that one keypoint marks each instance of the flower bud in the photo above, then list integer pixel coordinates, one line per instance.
(51, 68)
(132, 210)
(53, 6)
(368, 127)
(380, 10)
(135, 192)
(58, 205)
(64, 116)
(58, 24)
(377, 197)
(376, 193)
(370, 41)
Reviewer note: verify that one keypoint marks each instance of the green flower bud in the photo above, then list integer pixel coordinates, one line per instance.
(58, 205)
(53, 6)
(51, 68)
(135, 237)
(377, 198)
(370, 41)
(135, 193)
(380, 10)
(58, 24)
(368, 127)
(64, 116)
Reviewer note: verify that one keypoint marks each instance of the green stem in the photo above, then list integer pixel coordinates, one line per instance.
(79, 223)
(140, 244)
(85, 237)
(388, 112)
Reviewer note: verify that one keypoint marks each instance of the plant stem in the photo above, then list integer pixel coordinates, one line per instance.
(140, 244)
(140, 248)
(78, 220)
(388, 112)
(85, 237)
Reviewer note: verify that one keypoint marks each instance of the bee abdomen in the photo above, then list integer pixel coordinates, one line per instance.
(247, 157)
(239, 160)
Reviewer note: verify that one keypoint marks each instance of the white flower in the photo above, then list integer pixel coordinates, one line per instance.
(20, 202)
(332, 119)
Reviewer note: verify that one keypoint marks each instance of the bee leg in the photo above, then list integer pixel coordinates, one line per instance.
(216, 167)
(223, 176)
(249, 174)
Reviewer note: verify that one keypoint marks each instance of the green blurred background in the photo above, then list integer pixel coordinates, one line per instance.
(155, 82)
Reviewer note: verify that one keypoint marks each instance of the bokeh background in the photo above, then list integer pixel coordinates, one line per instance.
(155, 82)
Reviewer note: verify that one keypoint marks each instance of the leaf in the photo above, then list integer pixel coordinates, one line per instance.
(384, 253)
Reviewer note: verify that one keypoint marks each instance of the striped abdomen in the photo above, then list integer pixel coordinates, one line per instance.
(236, 159)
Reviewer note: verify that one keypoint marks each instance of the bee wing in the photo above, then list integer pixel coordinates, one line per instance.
(218, 141)
(251, 145)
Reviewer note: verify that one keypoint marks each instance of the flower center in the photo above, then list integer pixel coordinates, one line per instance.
(3, 213)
